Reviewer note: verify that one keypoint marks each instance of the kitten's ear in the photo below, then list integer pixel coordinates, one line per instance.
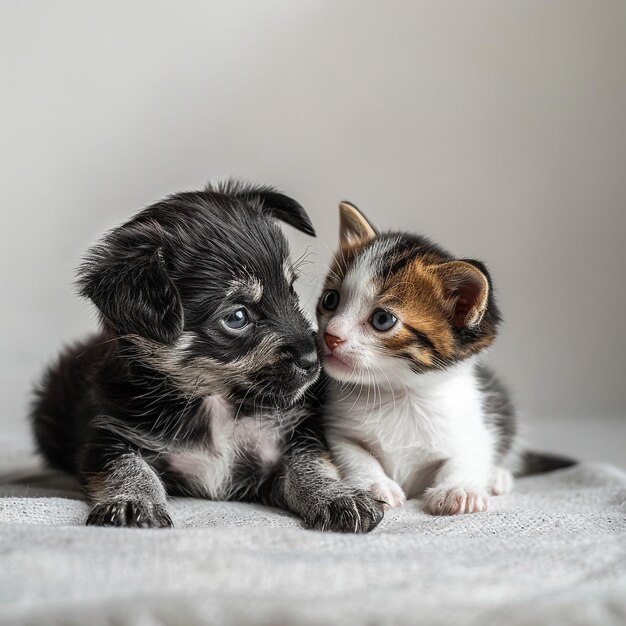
(466, 292)
(353, 226)
(132, 290)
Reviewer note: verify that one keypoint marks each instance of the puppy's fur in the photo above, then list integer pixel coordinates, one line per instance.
(201, 381)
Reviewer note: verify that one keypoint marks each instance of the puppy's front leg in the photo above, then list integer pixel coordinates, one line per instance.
(309, 485)
(124, 488)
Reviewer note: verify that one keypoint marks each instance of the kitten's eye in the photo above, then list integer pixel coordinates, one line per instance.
(238, 319)
(330, 299)
(383, 320)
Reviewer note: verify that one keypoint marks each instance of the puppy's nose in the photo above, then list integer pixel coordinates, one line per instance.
(332, 341)
(307, 362)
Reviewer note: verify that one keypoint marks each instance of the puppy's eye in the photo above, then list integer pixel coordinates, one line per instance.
(383, 320)
(238, 319)
(330, 299)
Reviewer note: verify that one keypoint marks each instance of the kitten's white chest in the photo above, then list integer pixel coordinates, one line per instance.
(411, 430)
(400, 432)
(208, 469)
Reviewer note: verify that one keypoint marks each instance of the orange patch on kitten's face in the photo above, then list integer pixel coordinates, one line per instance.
(416, 297)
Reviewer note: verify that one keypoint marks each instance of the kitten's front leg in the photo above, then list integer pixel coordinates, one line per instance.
(309, 485)
(460, 487)
(125, 490)
(501, 481)
(362, 469)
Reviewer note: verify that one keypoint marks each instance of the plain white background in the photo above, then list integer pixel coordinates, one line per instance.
(497, 128)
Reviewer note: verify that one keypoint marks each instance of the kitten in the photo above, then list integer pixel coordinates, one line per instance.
(411, 410)
(201, 380)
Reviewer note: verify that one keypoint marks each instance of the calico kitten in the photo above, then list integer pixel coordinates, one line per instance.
(411, 410)
(200, 382)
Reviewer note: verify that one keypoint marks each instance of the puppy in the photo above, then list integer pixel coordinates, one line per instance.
(201, 380)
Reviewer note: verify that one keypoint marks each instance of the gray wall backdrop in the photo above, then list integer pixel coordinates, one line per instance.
(497, 128)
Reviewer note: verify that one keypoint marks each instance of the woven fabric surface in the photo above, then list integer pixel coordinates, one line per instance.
(552, 552)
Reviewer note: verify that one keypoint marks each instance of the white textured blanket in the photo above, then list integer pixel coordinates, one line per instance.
(553, 552)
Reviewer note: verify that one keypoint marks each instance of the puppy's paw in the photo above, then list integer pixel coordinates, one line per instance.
(501, 481)
(438, 501)
(352, 511)
(129, 513)
(389, 493)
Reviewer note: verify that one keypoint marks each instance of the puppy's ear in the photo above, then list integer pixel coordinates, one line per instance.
(131, 288)
(465, 291)
(354, 228)
(286, 209)
(275, 204)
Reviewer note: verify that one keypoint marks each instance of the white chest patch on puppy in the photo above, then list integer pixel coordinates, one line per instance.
(208, 469)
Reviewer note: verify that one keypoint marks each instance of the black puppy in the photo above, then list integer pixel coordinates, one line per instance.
(202, 379)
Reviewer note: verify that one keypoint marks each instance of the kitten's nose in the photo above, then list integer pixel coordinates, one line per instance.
(332, 341)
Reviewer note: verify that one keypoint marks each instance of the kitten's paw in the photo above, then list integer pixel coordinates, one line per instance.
(129, 513)
(388, 492)
(439, 501)
(353, 511)
(501, 481)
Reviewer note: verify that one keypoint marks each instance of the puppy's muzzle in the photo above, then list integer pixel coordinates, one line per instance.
(307, 363)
